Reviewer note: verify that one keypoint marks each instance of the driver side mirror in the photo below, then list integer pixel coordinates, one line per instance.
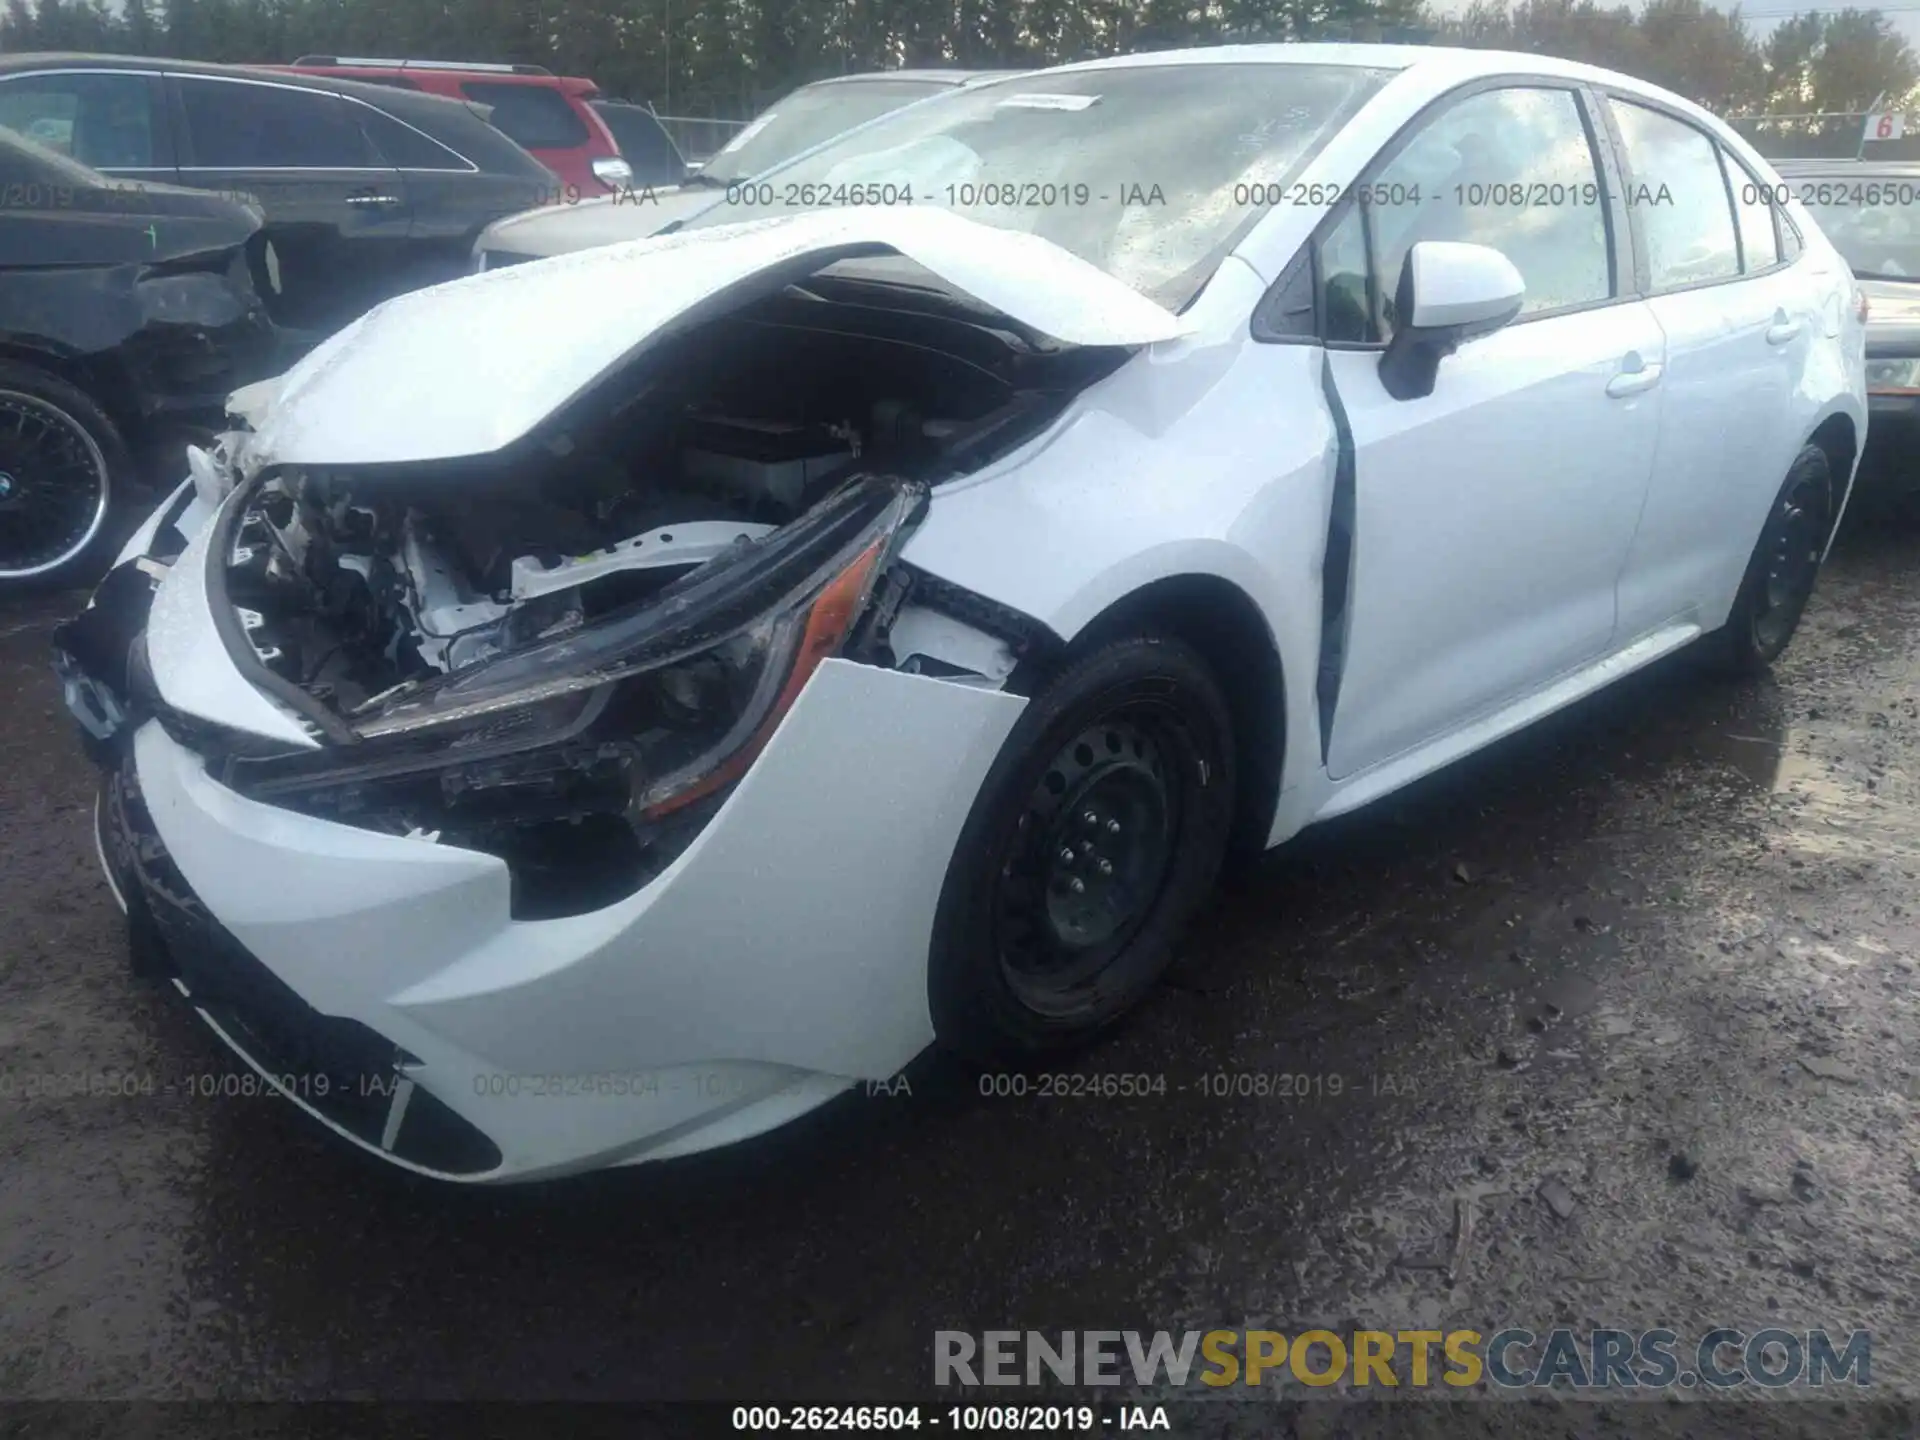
(1449, 293)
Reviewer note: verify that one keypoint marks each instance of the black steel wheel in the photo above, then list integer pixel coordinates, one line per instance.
(1785, 564)
(60, 458)
(1096, 836)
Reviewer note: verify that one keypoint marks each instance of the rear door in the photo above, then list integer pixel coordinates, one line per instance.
(451, 198)
(1491, 518)
(337, 212)
(1738, 330)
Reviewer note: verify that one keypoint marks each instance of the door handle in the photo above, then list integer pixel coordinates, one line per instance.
(373, 199)
(1635, 382)
(1781, 331)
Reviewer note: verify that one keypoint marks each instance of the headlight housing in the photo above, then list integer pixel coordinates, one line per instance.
(589, 760)
(1893, 377)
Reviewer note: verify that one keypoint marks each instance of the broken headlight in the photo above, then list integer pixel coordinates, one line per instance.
(590, 759)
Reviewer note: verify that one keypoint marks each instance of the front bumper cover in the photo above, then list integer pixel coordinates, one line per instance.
(778, 961)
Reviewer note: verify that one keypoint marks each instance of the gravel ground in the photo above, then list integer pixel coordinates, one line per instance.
(1620, 1016)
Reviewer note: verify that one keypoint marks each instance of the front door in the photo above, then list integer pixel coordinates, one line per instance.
(1491, 517)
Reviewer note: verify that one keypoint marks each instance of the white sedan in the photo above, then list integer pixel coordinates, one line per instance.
(599, 710)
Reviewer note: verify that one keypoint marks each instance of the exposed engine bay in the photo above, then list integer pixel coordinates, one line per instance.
(565, 653)
(351, 583)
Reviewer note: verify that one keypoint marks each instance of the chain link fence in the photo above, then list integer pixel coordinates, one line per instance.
(1827, 135)
(700, 137)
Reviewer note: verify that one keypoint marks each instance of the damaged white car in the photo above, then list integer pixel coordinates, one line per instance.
(540, 746)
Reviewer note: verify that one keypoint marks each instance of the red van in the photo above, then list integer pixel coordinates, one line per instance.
(545, 114)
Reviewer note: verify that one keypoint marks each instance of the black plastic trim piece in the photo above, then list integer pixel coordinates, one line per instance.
(1027, 637)
(1336, 571)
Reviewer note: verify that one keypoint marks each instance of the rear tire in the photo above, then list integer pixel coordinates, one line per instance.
(62, 465)
(1781, 573)
(1118, 779)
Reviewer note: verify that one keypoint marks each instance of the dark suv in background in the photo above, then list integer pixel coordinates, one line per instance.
(128, 312)
(547, 115)
(368, 191)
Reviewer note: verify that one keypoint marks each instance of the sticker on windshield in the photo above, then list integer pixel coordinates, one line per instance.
(753, 129)
(1047, 102)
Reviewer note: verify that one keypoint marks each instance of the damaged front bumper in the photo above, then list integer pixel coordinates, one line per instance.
(379, 982)
(384, 983)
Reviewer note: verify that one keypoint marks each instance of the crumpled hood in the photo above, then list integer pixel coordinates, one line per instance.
(602, 220)
(471, 366)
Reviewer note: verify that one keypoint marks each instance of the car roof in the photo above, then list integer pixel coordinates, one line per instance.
(506, 77)
(14, 64)
(1445, 63)
(942, 77)
(1847, 165)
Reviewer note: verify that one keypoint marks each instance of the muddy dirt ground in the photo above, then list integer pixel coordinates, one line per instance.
(1634, 994)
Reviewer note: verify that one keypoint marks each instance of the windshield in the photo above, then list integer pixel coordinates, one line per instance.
(1876, 238)
(1151, 173)
(809, 115)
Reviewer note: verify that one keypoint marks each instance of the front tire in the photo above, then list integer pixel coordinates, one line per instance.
(62, 460)
(1781, 573)
(1098, 833)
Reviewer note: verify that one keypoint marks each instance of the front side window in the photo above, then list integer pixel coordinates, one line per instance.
(1149, 172)
(1679, 197)
(233, 125)
(406, 148)
(1509, 169)
(1348, 302)
(105, 121)
(1753, 208)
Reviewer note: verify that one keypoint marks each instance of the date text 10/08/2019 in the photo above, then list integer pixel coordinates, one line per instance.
(1036, 1419)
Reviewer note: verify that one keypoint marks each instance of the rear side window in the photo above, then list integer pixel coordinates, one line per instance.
(1753, 207)
(235, 125)
(404, 147)
(535, 117)
(1679, 197)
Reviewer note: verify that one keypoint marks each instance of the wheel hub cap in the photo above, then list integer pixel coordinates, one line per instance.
(1087, 860)
(53, 486)
(1793, 560)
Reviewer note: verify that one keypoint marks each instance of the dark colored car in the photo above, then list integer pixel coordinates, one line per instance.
(1870, 210)
(367, 191)
(127, 314)
(645, 145)
(547, 115)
